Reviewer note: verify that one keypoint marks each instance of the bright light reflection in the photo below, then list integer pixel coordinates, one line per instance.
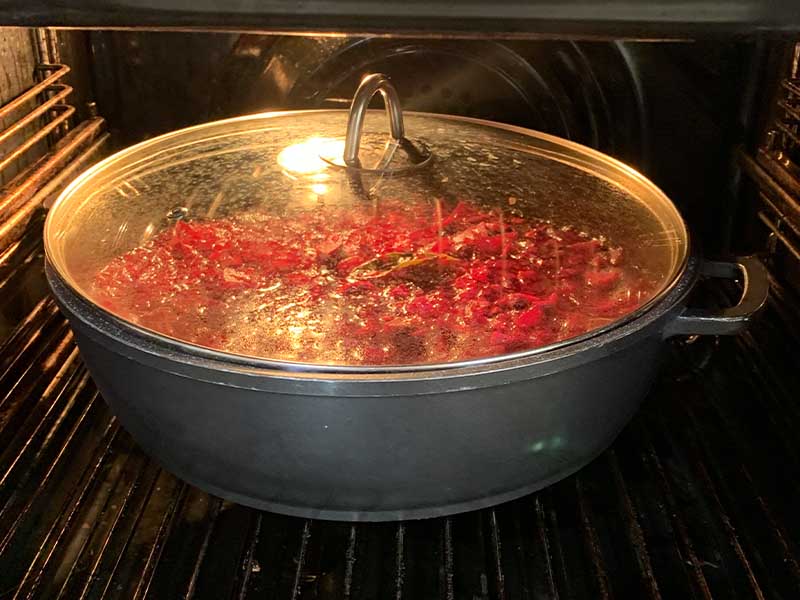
(319, 189)
(304, 158)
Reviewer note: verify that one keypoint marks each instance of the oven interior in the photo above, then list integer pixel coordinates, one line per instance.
(696, 499)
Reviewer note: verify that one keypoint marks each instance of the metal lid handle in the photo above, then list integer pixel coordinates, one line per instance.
(369, 86)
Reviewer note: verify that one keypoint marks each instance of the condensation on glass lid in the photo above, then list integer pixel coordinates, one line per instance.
(245, 238)
(311, 157)
(310, 160)
(413, 283)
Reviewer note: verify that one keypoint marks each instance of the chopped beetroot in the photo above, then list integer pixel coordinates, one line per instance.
(604, 279)
(363, 287)
(442, 245)
(399, 291)
(348, 264)
(531, 317)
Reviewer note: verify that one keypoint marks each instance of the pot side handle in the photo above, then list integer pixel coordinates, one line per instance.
(726, 321)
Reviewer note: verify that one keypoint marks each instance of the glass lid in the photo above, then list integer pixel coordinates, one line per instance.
(320, 238)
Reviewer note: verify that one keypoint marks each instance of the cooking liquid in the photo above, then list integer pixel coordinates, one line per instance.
(403, 286)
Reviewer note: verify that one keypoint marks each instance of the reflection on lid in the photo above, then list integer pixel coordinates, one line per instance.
(305, 158)
(319, 188)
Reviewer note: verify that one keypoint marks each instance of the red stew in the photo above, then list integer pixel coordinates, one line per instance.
(356, 287)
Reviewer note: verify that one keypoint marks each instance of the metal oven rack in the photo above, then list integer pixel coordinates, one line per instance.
(784, 139)
(788, 127)
(775, 169)
(41, 116)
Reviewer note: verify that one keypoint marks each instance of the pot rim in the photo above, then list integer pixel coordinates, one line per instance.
(118, 337)
(283, 366)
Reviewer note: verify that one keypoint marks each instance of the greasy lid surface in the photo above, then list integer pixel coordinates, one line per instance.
(249, 236)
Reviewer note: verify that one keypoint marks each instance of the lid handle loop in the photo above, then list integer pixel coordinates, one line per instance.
(369, 86)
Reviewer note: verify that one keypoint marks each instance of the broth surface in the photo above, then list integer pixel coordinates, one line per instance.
(401, 285)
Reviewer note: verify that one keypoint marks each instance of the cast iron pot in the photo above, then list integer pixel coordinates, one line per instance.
(377, 447)
(358, 443)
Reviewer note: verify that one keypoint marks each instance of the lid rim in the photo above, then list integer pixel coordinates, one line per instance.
(323, 369)
(673, 294)
(579, 151)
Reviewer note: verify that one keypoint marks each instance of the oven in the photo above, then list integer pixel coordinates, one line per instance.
(697, 497)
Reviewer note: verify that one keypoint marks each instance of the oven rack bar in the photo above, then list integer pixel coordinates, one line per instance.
(56, 72)
(779, 193)
(42, 111)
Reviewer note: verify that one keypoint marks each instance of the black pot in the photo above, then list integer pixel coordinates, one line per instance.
(371, 442)
(374, 447)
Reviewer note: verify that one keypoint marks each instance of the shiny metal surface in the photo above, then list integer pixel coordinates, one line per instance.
(62, 112)
(755, 291)
(56, 72)
(369, 86)
(87, 151)
(48, 176)
(774, 168)
(36, 124)
(61, 92)
(33, 118)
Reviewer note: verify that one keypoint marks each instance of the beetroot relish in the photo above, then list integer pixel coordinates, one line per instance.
(356, 287)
